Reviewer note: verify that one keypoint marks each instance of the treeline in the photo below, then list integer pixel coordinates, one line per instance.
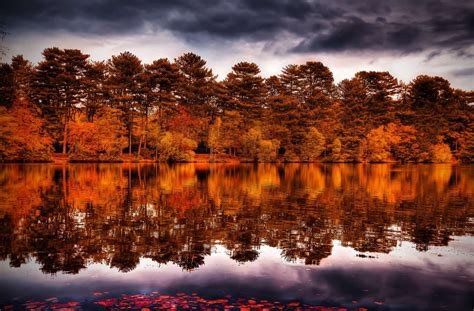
(167, 111)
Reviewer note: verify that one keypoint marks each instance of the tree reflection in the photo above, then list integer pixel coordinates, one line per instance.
(69, 217)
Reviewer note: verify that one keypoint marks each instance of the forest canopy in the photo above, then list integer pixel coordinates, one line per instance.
(123, 109)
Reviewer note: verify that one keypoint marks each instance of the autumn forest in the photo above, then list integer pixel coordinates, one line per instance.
(71, 107)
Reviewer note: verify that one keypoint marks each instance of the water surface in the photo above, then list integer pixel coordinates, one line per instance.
(379, 236)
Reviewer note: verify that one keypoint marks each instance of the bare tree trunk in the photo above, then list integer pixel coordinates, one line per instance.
(65, 135)
(130, 140)
(146, 127)
(139, 147)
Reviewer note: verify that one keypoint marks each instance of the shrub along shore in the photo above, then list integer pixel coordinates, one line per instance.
(68, 108)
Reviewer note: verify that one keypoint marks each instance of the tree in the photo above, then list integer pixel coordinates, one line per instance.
(96, 93)
(378, 145)
(124, 82)
(273, 86)
(251, 143)
(381, 96)
(353, 117)
(440, 153)
(336, 150)
(258, 148)
(196, 90)
(59, 88)
(317, 83)
(313, 145)
(195, 85)
(22, 137)
(286, 123)
(246, 90)
(429, 99)
(466, 152)
(161, 80)
(102, 139)
(268, 150)
(215, 139)
(176, 147)
(15, 81)
(6, 85)
(22, 71)
(290, 79)
(232, 130)
(407, 147)
(185, 123)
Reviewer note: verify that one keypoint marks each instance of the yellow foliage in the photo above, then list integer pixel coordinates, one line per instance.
(441, 153)
(176, 147)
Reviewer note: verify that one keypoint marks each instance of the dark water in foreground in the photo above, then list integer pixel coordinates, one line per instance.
(397, 237)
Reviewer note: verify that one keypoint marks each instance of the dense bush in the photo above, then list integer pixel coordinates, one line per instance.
(101, 139)
(176, 147)
(313, 145)
(440, 153)
(22, 137)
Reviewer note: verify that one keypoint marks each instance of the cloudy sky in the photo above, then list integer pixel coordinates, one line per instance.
(405, 37)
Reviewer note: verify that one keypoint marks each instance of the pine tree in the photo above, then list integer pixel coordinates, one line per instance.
(22, 71)
(96, 93)
(6, 85)
(382, 92)
(195, 85)
(124, 86)
(59, 88)
(246, 90)
(161, 82)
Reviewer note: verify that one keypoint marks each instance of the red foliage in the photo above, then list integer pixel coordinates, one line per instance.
(180, 301)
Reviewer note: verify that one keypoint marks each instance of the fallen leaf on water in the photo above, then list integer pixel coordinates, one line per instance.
(52, 299)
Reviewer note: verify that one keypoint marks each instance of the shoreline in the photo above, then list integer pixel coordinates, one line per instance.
(205, 158)
(217, 162)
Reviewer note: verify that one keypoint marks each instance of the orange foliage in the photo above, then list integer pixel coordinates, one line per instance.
(101, 139)
(22, 137)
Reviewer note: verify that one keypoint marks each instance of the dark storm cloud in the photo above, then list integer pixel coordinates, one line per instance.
(339, 25)
(469, 72)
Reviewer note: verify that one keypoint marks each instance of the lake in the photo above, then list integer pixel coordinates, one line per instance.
(378, 236)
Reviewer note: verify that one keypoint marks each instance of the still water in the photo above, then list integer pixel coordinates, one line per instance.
(380, 236)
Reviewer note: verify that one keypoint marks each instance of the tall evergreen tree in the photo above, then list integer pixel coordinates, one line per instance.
(96, 93)
(124, 85)
(246, 90)
(195, 85)
(22, 71)
(59, 88)
(6, 85)
(161, 81)
(382, 92)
